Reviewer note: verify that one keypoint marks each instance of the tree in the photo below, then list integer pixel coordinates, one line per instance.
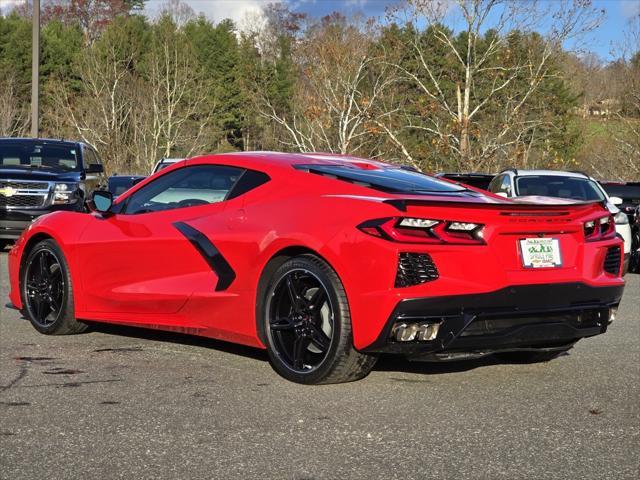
(14, 114)
(628, 139)
(216, 48)
(494, 65)
(174, 91)
(335, 101)
(93, 16)
(100, 111)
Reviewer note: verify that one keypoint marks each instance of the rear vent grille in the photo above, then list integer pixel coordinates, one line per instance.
(612, 261)
(414, 269)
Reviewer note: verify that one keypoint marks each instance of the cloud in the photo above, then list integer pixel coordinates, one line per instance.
(6, 5)
(356, 3)
(215, 10)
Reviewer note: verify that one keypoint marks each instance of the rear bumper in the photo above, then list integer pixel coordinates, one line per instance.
(513, 318)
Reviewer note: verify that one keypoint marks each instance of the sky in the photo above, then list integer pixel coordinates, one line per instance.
(618, 14)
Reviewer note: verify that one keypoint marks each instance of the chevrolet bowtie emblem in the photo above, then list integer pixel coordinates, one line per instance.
(8, 191)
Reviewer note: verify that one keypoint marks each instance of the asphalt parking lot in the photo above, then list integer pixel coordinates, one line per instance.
(126, 403)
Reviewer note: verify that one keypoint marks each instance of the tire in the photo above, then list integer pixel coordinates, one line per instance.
(531, 356)
(305, 322)
(47, 291)
(634, 261)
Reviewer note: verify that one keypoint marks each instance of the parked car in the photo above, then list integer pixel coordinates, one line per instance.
(164, 163)
(629, 192)
(477, 180)
(634, 261)
(574, 186)
(39, 176)
(325, 261)
(118, 184)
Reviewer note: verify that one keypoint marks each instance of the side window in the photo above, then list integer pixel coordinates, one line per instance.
(505, 186)
(186, 187)
(91, 160)
(494, 186)
(96, 159)
(89, 157)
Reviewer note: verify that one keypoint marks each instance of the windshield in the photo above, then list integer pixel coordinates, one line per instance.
(37, 155)
(629, 192)
(395, 180)
(560, 187)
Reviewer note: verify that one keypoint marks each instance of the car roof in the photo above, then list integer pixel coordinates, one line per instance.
(56, 141)
(270, 160)
(463, 174)
(545, 173)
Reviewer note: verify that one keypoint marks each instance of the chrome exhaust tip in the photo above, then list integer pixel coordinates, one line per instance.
(408, 332)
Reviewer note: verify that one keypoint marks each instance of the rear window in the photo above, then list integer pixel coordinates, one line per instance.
(477, 181)
(627, 192)
(392, 180)
(560, 187)
(35, 155)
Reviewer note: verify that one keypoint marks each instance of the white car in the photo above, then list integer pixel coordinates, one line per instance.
(559, 184)
(164, 163)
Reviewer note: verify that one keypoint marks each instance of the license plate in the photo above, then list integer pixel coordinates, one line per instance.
(540, 252)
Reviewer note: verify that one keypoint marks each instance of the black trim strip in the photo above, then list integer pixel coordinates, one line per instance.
(401, 204)
(517, 300)
(210, 253)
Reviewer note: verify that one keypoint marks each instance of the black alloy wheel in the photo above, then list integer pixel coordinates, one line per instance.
(47, 294)
(306, 324)
(301, 320)
(45, 287)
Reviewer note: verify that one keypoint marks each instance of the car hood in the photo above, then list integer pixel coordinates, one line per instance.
(37, 174)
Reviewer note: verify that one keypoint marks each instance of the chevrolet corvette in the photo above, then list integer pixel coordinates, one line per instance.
(325, 261)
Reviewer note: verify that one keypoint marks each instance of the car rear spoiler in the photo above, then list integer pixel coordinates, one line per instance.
(401, 204)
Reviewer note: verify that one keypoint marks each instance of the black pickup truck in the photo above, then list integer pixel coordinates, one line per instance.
(39, 176)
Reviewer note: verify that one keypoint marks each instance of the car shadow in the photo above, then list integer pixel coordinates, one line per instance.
(393, 363)
(386, 363)
(178, 338)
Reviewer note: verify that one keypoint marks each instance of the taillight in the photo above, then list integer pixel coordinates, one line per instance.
(424, 230)
(601, 228)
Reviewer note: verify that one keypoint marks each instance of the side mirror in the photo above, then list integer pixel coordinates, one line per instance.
(615, 200)
(94, 168)
(502, 194)
(102, 200)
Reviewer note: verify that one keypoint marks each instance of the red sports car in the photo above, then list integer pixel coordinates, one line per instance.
(326, 261)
